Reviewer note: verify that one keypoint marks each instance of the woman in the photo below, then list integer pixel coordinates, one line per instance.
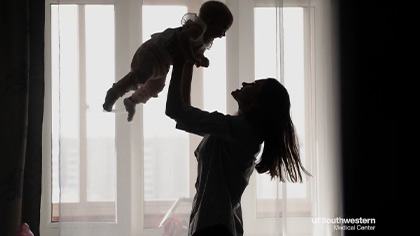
(227, 154)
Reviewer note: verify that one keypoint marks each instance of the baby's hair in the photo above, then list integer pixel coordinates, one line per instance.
(215, 10)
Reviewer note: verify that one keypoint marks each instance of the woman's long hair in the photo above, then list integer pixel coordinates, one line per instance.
(280, 156)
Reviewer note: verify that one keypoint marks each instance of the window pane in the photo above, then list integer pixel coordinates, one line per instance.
(214, 77)
(294, 79)
(100, 127)
(166, 150)
(84, 159)
(265, 42)
(65, 98)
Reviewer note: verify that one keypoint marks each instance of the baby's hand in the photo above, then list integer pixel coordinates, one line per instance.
(202, 61)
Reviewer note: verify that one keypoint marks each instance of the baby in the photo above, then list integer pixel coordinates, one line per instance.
(151, 62)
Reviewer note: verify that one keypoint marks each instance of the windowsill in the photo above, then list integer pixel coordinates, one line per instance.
(154, 212)
(271, 208)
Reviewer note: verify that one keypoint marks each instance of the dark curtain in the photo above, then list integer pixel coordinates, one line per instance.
(369, 106)
(21, 109)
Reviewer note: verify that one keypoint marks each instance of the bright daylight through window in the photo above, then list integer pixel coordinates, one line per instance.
(86, 141)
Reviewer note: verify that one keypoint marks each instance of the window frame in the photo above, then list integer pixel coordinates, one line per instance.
(301, 207)
(47, 226)
(245, 51)
(134, 150)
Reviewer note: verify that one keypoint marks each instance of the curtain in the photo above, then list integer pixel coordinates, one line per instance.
(111, 177)
(21, 101)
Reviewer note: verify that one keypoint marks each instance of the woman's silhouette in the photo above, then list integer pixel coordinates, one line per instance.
(227, 153)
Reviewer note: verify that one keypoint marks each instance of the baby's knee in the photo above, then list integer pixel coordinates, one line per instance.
(142, 76)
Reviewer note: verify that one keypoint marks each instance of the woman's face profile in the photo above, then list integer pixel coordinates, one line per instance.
(246, 96)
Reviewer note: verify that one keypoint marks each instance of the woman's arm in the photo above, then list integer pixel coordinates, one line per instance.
(191, 119)
(186, 82)
(179, 88)
(186, 36)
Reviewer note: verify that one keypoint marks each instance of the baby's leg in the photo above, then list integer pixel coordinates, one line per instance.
(150, 68)
(150, 89)
(142, 69)
(118, 89)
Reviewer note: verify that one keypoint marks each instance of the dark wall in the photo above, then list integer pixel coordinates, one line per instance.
(366, 31)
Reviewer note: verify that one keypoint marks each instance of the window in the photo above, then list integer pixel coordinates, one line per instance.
(270, 50)
(82, 53)
(279, 43)
(147, 165)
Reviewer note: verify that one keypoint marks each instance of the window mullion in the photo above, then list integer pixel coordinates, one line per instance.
(82, 104)
(122, 128)
(309, 78)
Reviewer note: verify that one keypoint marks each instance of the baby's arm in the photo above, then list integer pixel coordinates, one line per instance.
(185, 36)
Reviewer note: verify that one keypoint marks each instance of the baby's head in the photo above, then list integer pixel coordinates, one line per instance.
(218, 18)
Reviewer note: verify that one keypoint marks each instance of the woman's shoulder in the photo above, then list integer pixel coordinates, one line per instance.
(241, 127)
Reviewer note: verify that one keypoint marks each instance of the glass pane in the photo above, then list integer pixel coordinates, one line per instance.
(214, 77)
(265, 42)
(100, 126)
(83, 162)
(65, 99)
(166, 150)
(294, 70)
(267, 50)
(55, 147)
